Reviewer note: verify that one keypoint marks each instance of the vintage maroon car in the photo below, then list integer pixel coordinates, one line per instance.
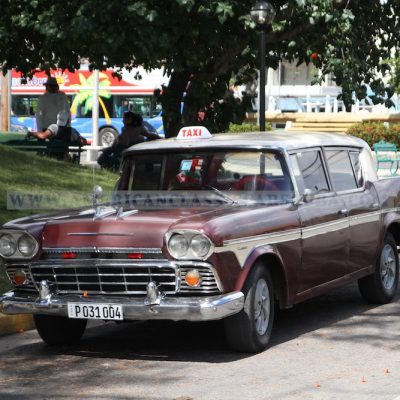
(206, 228)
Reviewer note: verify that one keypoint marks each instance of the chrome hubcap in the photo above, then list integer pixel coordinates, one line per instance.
(388, 267)
(262, 305)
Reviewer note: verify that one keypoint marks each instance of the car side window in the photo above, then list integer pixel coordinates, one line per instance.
(312, 170)
(341, 170)
(355, 161)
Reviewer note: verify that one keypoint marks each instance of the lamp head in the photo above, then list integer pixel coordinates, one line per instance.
(262, 13)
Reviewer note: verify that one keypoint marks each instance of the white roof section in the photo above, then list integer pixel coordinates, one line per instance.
(271, 139)
(154, 78)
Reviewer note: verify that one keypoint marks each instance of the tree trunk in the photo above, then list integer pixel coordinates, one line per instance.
(171, 100)
(193, 103)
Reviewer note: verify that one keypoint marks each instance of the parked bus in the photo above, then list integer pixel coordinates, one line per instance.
(115, 97)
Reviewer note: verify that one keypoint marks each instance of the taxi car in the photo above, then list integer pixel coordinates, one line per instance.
(207, 227)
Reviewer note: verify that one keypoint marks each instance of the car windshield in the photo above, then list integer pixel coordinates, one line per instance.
(230, 176)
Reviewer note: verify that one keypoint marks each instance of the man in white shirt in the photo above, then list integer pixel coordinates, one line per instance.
(50, 104)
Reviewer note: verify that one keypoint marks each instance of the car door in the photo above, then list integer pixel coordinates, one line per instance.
(324, 223)
(361, 202)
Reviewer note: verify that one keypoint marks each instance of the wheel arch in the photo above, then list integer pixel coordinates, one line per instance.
(394, 229)
(273, 262)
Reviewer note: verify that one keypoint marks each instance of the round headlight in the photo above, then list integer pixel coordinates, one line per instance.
(8, 246)
(200, 245)
(178, 246)
(26, 245)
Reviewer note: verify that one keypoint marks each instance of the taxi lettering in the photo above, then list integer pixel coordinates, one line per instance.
(191, 132)
(194, 132)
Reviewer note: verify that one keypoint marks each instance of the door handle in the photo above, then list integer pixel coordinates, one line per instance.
(374, 206)
(343, 211)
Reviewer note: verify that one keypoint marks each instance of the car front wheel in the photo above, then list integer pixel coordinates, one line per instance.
(55, 330)
(250, 330)
(381, 286)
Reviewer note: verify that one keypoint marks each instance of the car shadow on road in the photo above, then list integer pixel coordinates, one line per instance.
(205, 342)
(319, 312)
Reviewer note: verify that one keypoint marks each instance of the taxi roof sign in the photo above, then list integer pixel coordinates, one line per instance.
(194, 132)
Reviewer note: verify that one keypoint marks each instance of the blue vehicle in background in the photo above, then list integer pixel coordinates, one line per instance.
(114, 95)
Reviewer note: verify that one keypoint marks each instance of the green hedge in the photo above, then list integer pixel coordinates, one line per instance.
(246, 127)
(373, 132)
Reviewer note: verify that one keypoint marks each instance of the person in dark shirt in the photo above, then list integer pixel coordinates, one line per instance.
(132, 133)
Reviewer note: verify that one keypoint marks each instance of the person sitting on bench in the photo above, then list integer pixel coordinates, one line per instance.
(61, 131)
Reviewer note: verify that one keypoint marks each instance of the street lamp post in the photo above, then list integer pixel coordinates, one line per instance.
(262, 13)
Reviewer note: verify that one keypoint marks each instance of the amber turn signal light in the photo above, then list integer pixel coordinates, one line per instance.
(19, 277)
(193, 278)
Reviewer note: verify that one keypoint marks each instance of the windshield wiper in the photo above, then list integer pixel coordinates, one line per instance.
(219, 192)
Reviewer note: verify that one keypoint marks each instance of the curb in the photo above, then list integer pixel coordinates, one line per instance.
(15, 323)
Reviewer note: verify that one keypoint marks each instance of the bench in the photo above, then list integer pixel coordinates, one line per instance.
(386, 156)
(310, 125)
(48, 147)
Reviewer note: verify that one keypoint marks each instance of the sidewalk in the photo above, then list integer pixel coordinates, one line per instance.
(88, 163)
(15, 323)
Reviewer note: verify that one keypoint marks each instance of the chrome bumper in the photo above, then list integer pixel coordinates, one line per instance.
(177, 308)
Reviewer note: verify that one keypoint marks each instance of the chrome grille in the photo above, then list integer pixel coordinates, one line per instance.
(208, 282)
(105, 277)
(109, 271)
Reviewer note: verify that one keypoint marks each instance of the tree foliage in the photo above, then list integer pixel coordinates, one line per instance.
(395, 75)
(205, 45)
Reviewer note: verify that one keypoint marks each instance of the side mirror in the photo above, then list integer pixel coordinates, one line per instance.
(97, 194)
(308, 195)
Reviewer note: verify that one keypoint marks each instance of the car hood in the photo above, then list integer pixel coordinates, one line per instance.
(146, 228)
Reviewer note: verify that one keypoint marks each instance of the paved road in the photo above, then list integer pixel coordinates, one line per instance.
(333, 347)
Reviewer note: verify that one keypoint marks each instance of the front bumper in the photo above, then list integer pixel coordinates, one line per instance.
(171, 308)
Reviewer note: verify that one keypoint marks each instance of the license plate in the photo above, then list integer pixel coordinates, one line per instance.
(95, 311)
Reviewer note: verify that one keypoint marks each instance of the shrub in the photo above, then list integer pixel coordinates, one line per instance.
(373, 132)
(246, 127)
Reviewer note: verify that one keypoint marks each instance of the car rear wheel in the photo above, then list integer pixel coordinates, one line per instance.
(55, 330)
(107, 136)
(250, 330)
(381, 286)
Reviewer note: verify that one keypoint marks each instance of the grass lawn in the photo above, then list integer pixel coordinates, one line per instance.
(26, 172)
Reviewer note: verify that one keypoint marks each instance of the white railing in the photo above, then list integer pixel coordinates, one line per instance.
(326, 104)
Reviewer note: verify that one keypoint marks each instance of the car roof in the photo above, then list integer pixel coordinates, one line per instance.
(281, 140)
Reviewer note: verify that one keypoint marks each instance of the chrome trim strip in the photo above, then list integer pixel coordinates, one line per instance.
(94, 262)
(281, 236)
(178, 308)
(242, 250)
(99, 234)
(365, 218)
(146, 250)
(322, 229)
(243, 246)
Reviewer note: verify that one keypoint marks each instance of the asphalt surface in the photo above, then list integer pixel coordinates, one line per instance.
(332, 347)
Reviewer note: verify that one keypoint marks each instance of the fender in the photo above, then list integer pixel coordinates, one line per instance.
(391, 222)
(257, 253)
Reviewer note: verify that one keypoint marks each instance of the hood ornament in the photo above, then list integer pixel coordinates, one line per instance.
(121, 214)
(103, 212)
(153, 295)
